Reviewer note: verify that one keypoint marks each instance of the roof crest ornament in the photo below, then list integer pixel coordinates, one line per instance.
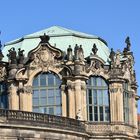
(45, 38)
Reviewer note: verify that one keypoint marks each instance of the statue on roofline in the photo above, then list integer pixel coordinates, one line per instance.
(112, 55)
(20, 56)
(12, 56)
(69, 53)
(94, 49)
(128, 45)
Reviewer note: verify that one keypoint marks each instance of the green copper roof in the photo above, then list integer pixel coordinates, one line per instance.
(61, 38)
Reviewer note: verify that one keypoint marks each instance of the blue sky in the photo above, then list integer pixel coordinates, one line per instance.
(112, 20)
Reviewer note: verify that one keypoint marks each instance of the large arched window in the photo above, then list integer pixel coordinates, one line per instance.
(47, 94)
(97, 100)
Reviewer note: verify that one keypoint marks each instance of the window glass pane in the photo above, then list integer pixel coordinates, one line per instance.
(50, 93)
(94, 81)
(43, 93)
(90, 113)
(99, 81)
(90, 96)
(106, 113)
(51, 101)
(58, 100)
(57, 93)
(43, 110)
(35, 93)
(51, 111)
(106, 98)
(95, 96)
(50, 80)
(42, 80)
(90, 109)
(35, 109)
(100, 97)
(43, 101)
(58, 110)
(90, 117)
(35, 82)
(35, 101)
(101, 113)
(89, 82)
(104, 83)
(57, 81)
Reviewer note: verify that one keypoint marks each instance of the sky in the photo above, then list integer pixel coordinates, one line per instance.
(112, 20)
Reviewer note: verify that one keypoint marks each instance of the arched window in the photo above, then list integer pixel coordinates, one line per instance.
(3, 96)
(97, 100)
(126, 102)
(47, 94)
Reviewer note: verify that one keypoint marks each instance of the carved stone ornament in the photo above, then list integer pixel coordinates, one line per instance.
(2, 73)
(28, 89)
(45, 57)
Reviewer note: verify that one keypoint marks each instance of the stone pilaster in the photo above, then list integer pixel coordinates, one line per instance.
(84, 103)
(78, 99)
(13, 97)
(116, 100)
(25, 98)
(134, 106)
(64, 101)
(71, 100)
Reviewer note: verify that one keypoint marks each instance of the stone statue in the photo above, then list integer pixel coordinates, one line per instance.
(81, 53)
(12, 56)
(128, 45)
(76, 52)
(69, 53)
(117, 60)
(94, 49)
(20, 56)
(1, 55)
(112, 55)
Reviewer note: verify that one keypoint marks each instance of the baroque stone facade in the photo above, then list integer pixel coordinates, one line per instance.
(74, 70)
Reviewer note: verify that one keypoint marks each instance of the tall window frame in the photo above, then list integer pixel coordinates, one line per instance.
(98, 109)
(46, 96)
(126, 107)
(3, 96)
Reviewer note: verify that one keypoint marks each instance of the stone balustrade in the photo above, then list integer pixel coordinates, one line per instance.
(43, 120)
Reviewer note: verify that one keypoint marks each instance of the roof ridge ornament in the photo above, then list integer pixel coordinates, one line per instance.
(45, 38)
